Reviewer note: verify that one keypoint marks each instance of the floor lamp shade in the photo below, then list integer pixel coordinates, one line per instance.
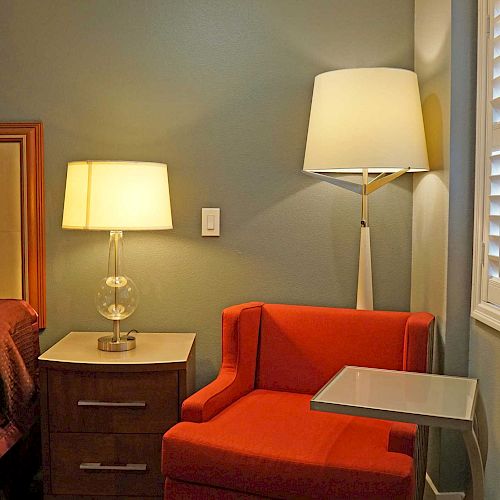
(117, 195)
(366, 118)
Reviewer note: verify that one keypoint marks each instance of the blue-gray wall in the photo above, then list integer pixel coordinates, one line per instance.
(485, 365)
(220, 90)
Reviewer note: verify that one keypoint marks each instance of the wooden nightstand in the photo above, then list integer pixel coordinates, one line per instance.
(104, 413)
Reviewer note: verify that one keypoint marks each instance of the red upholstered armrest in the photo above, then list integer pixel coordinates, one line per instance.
(417, 342)
(240, 337)
(402, 438)
(416, 358)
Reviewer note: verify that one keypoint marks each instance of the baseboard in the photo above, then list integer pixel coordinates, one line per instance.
(432, 493)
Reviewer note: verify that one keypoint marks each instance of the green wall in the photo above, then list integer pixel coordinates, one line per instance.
(220, 90)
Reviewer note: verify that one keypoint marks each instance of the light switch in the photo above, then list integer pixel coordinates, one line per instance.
(210, 221)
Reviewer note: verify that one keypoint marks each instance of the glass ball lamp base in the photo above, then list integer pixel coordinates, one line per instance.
(116, 298)
(108, 343)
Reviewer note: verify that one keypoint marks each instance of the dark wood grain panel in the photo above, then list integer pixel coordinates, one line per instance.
(159, 391)
(69, 450)
(112, 368)
(100, 497)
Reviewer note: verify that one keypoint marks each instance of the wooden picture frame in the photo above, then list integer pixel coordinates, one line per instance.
(29, 136)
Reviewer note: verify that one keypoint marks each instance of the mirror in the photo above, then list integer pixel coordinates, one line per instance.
(22, 241)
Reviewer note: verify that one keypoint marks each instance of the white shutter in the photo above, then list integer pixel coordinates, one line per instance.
(492, 267)
(485, 296)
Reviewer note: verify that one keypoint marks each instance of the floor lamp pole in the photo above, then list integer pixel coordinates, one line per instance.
(364, 298)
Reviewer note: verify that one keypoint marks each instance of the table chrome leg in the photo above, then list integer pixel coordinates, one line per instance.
(476, 465)
(481, 427)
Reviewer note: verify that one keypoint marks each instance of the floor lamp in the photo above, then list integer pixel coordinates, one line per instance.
(367, 121)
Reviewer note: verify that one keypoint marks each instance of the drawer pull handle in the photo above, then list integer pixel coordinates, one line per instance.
(125, 467)
(129, 404)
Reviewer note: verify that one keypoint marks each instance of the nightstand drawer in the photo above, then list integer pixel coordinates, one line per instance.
(112, 402)
(106, 464)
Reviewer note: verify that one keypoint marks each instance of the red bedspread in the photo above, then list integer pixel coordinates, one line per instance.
(19, 387)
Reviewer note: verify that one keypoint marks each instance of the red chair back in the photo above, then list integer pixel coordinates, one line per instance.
(302, 347)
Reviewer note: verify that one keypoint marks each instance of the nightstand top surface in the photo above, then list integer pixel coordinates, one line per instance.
(152, 348)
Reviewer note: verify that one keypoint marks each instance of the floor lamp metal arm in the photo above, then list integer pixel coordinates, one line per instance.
(350, 186)
(383, 179)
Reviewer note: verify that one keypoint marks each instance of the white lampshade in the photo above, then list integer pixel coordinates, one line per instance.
(117, 195)
(366, 118)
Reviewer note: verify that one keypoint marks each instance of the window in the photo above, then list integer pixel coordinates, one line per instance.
(486, 270)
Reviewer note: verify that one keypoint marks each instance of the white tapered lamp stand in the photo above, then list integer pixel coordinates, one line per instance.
(364, 298)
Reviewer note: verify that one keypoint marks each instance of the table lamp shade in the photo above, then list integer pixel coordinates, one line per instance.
(117, 195)
(366, 118)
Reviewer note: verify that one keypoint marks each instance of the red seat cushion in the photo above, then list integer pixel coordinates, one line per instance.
(270, 443)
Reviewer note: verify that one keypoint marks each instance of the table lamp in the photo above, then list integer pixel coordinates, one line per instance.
(365, 120)
(116, 196)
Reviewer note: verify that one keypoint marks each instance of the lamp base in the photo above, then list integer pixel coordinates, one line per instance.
(108, 344)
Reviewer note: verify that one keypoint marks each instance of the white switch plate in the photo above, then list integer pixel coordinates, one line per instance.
(210, 221)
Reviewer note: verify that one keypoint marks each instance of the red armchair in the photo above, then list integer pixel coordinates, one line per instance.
(251, 434)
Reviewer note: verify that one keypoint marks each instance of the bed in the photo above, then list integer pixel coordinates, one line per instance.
(19, 394)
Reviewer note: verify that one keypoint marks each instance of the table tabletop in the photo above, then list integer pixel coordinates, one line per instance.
(419, 398)
(152, 348)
